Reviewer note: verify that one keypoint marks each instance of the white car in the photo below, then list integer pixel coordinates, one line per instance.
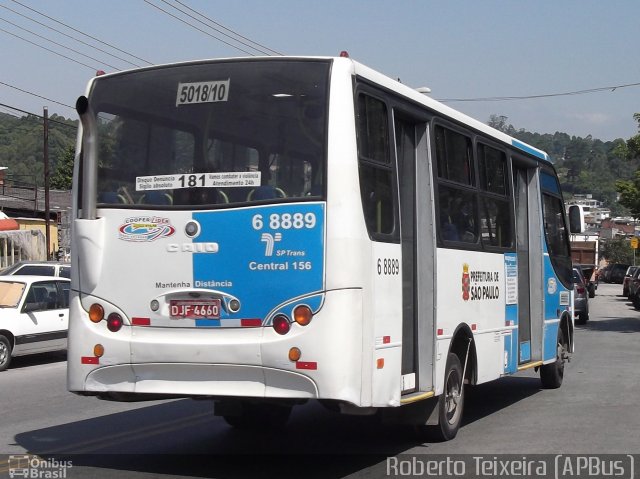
(34, 315)
(41, 268)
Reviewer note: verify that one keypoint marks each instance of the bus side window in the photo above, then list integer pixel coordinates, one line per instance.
(495, 204)
(458, 198)
(376, 174)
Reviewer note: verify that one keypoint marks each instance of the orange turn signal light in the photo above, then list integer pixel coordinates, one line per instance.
(98, 350)
(295, 354)
(96, 313)
(302, 314)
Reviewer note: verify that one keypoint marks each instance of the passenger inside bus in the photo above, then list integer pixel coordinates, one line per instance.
(463, 219)
(448, 229)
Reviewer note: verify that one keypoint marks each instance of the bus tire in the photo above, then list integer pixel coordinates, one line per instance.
(5, 353)
(451, 402)
(552, 374)
(259, 416)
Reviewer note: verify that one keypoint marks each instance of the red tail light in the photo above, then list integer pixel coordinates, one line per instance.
(114, 322)
(581, 290)
(281, 324)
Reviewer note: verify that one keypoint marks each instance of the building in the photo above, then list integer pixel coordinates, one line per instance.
(23, 202)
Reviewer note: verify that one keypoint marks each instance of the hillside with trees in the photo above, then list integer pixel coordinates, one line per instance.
(585, 165)
(22, 145)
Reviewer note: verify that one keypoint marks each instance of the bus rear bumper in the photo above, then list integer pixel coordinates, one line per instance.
(225, 362)
(188, 380)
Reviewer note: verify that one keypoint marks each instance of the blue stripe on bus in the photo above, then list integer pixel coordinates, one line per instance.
(511, 316)
(529, 149)
(525, 351)
(552, 310)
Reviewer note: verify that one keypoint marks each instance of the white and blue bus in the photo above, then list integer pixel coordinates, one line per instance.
(264, 232)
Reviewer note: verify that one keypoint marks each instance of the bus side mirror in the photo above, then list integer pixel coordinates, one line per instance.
(576, 219)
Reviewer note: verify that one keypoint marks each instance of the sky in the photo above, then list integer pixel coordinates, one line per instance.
(463, 50)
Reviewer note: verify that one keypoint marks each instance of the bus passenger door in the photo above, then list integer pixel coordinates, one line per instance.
(416, 228)
(521, 191)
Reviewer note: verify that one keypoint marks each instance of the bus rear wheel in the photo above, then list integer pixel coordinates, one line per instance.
(552, 374)
(451, 402)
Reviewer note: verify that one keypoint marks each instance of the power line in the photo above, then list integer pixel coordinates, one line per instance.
(260, 48)
(48, 49)
(38, 116)
(196, 28)
(7, 111)
(58, 44)
(36, 95)
(547, 95)
(70, 36)
(82, 33)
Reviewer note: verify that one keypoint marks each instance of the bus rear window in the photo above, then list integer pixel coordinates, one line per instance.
(212, 134)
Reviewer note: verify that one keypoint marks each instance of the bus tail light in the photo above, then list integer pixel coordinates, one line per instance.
(98, 350)
(302, 314)
(114, 322)
(96, 313)
(281, 324)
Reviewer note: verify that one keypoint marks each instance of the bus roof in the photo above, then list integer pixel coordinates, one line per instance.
(435, 105)
(377, 77)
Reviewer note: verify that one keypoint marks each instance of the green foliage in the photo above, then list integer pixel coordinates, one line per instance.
(22, 144)
(617, 251)
(584, 165)
(62, 176)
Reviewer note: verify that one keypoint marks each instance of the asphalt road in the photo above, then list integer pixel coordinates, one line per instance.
(594, 412)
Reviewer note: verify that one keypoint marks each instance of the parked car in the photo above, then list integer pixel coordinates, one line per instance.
(40, 268)
(615, 273)
(581, 297)
(627, 279)
(634, 289)
(34, 315)
(589, 273)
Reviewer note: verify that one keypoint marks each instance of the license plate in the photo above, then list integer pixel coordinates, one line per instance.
(195, 308)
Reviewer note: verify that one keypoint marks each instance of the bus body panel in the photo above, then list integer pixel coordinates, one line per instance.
(276, 266)
(386, 303)
(472, 290)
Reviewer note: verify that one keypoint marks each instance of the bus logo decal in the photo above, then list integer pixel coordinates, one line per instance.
(269, 241)
(466, 282)
(193, 248)
(145, 228)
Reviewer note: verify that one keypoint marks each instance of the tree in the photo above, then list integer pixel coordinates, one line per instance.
(617, 251)
(63, 172)
(630, 194)
(630, 189)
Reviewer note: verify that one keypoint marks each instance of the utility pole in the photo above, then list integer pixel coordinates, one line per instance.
(45, 117)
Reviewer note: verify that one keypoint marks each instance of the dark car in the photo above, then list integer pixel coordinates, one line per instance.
(627, 280)
(616, 273)
(634, 289)
(580, 297)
